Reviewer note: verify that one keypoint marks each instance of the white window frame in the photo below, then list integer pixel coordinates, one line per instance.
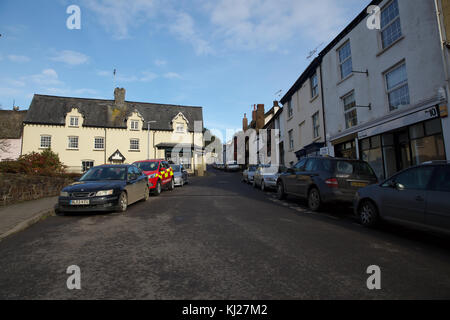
(133, 145)
(134, 124)
(314, 88)
(42, 146)
(316, 126)
(70, 141)
(399, 86)
(74, 121)
(87, 166)
(102, 143)
(342, 62)
(350, 109)
(390, 23)
(178, 126)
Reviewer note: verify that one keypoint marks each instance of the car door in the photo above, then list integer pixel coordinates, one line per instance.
(141, 182)
(290, 179)
(305, 177)
(437, 213)
(404, 196)
(131, 185)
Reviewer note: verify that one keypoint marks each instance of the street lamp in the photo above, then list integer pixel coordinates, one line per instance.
(148, 147)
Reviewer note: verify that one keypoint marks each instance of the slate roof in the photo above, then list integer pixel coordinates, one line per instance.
(11, 124)
(52, 110)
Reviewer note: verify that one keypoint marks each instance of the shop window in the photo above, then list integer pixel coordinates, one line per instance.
(416, 131)
(372, 154)
(433, 127)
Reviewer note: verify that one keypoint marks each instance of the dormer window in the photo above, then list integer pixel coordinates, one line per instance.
(180, 128)
(134, 125)
(74, 121)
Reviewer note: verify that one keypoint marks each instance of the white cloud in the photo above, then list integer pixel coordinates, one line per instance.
(71, 57)
(13, 82)
(148, 76)
(172, 75)
(47, 77)
(117, 16)
(183, 27)
(160, 63)
(269, 24)
(18, 59)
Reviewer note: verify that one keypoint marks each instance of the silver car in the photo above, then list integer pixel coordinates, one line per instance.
(266, 177)
(419, 196)
(249, 174)
(180, 175)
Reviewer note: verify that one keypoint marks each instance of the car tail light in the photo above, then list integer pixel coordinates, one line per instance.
(332, 183)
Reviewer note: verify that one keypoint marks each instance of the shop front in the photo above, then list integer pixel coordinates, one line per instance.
(390, 147)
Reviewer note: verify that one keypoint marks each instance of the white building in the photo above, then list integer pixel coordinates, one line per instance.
(303, 118)
(385, 90)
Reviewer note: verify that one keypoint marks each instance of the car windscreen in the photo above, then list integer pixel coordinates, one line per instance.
(175, 167)
(354, 167)
(105, 173)
(147, 166)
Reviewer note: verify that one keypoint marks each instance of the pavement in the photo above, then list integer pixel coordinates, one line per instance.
(218, 238)
(17, 217)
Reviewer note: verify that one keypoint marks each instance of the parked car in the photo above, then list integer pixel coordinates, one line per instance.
(105, 188)
(249, 174)
(325, 180)
(419, 195)
(266, 177)
(180, 175)
(160, 175)
(232, 167)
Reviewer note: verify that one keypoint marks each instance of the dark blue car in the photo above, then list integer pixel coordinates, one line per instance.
(105, 188)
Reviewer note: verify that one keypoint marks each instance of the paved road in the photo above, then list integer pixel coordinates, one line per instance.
(220, 239)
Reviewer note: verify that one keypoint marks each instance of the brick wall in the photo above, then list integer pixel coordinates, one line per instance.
(18, 187)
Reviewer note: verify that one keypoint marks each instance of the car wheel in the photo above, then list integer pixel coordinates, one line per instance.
(172, 185)
(123, 202)
(147, 193)
(157, 191)
(280, 191)
(263, 186)
(314, 201)
(368, 214)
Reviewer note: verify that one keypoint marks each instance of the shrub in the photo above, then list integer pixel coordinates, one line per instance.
(46, 163)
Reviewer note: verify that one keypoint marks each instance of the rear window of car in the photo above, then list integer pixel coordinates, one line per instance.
(175, 167)
(354, 167)
(147, 166)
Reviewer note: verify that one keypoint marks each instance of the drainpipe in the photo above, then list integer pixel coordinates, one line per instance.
(323, 105)
(105, 145)
(443, 38)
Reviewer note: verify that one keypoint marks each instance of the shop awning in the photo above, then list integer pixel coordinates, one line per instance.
(178, 146)
(309, 149)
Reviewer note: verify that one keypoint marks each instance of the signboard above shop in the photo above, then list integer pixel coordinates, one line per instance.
(402, 121)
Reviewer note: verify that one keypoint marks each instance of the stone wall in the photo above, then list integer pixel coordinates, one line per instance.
(18, 187)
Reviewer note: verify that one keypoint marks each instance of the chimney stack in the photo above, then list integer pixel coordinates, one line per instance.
(245, 123)
(254, 114)
(119, 97)
(276, 107)
(260, 115)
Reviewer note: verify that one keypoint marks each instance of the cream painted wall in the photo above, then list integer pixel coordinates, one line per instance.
(116, 139)
(304, 107)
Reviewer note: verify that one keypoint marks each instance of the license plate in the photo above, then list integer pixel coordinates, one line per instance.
(359, 184)
(79, 202)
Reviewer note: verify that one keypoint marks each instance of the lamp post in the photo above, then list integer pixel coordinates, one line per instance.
(148, 147)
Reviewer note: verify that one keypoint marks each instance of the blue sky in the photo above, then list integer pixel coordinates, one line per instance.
(224, 55)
